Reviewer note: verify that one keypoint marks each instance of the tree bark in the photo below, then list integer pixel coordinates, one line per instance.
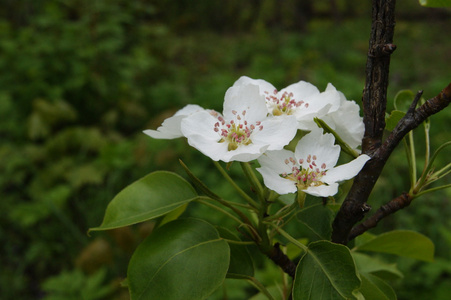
(374, 101)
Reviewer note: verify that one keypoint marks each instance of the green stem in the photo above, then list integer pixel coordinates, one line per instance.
(289, 237)
(253, 180)
(283, 212)
(409, 162)
(235, 186)
(257, 284)
(412, 155)
(444, 170)
(432, 190)
(202, 201)
(239, 242)
(425, 173)
(300, 197)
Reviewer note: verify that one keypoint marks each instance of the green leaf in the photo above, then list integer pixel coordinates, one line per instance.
(401, 242)
(173, 215)
(184, 259)
(436, 3)
(315, 222)
(375, 266)
(147, 198)
(393, 120)
(326, 271)
(241, 264)
(403, 100)
(374, 288)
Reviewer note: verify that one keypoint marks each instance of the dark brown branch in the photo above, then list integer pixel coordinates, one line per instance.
(374, 101)
(385, 210)
(354, 206)
(374, 96)
(282, 260)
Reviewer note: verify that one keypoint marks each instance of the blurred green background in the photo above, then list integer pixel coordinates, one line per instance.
(81, 79)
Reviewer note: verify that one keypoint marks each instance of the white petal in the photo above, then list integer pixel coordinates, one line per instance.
(273, 181)
(319, 144)
(244, 153)
(188, 110)
(348, 123)
(319, 105)
(277, 132)
(322, 190)
(346, 171)
(198, 128)
(275, 160)
(263, 85)
(245, 98)
(301, 90)
(170, 129)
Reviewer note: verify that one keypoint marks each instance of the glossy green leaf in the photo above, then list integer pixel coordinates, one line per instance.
(401, 242)
(315, 222)
(241, 264)
(184, 259)
(375, 266)
(436, 3)
(374, 288)
(326, 271)
(147, 198)
(393, 120)
(174, 215)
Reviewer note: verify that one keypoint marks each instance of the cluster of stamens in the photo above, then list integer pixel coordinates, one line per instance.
(236, 132)
(307, 177)
(285, 104)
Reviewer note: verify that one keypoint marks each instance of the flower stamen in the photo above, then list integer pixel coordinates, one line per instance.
(236, 132)
(305, 177)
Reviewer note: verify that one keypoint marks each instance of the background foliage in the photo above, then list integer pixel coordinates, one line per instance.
(81, 79)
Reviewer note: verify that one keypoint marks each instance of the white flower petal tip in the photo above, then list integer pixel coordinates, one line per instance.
(310, 169)
(243, 133)
(171, 127)
(302, 100)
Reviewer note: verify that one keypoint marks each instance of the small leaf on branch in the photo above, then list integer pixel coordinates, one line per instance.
(393, 119)
(403, 99)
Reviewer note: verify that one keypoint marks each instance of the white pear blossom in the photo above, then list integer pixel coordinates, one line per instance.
(346, 121)
(302, 100)
(170, 129)
(243, 132)
(310, 169)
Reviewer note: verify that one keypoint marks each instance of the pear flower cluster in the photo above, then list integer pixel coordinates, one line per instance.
(258, 121)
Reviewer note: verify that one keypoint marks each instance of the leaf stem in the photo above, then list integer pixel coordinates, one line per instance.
(259, 286)
(289, 237)
(432, 190)
(253, 180)
(235, 186)
(202, 201)
(239, 242)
